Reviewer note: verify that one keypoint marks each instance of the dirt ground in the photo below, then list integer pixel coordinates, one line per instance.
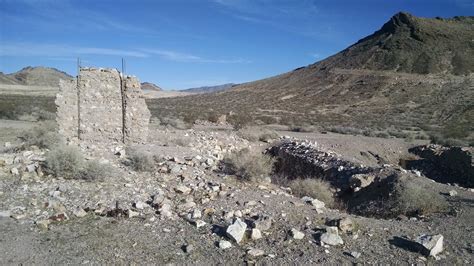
(151, 237)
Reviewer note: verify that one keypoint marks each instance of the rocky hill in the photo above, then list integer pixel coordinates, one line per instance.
(412, 74)
(35, 76)
(148, 87)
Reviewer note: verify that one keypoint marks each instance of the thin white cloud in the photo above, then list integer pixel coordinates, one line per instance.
(190, 58)
(64, 51)
(54, 50)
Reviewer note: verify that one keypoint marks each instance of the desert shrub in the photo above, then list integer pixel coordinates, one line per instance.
(43, 134)
(44, 115)
(257, 134)
(345, 130)
(410, 198)
(267, 119)
(213, 117)
(302, 128)
(139, 160)
(438, 138)
(64, 161)
(311, 187)
(249, 165)
(239, 120)
(94, 170)
(175, 123)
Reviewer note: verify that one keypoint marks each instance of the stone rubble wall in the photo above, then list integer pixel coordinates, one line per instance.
(137, 115)
(67, 117)
(100, 102)
(111, 109)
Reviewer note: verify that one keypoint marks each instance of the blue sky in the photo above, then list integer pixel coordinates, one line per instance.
(179, 44)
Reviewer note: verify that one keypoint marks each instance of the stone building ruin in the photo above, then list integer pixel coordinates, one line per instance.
(102, 106)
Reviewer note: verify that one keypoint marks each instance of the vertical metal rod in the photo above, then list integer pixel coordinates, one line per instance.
(78, 79)
(122, 92)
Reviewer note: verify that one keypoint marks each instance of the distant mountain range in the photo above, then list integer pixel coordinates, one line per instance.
(208, 89)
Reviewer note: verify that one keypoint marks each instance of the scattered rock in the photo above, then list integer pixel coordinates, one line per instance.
(345, 225)
(236, 231)
(79, 212)
(263, 223)
(31, 168)
(140, 205)
(255, 234)
(453, 193)
(355, 254)
(188, 248)
(199, 223)
(131, 214)
(224, 244)
(331, 236)
(254, 252)
(431, 245)
(14, 171)
(182, 189)
(43, 224)
(296, 234)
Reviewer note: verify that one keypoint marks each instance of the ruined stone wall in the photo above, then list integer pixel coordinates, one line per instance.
(137, 115)
(100, 103)
(102, 107)
(67, 113)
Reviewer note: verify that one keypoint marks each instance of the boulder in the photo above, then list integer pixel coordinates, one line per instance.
(331, 237)
(430, 245)
(236, 231)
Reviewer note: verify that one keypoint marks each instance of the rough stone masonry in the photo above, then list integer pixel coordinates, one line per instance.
(102, 106)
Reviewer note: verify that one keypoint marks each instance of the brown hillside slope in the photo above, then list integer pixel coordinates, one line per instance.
(38, 76)
(375, 83)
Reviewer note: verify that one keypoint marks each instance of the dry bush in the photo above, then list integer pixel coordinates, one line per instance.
(257, 134)
(64, 161)
(249, 165)
(239, 120)
(94, 170)
(175, 123)
(139, 160)
(303, 128)
(410, 198)
(43, 134)
(314, 188)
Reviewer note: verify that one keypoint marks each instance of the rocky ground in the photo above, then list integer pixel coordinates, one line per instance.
(187, 211)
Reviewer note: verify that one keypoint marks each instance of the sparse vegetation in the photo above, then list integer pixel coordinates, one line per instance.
(139, 160)
(249, 165)
(175, 123)
(95, 171)
(65, 161)
(43, 135)
(257, 134)
(313, 187)
(410, 198)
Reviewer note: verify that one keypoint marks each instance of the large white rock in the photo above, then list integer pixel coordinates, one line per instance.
(331, 237)
(236, 231)
(432, 244)
(224, 244)
(296, 234)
